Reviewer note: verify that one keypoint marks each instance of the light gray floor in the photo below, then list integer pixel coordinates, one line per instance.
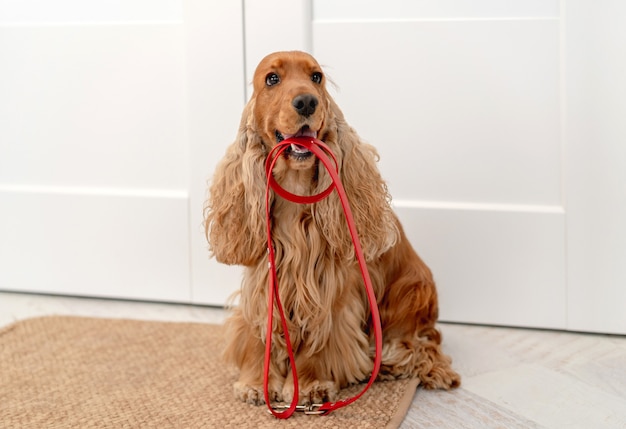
(512, 378)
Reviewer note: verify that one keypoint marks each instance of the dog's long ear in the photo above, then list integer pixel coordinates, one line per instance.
(367, 194)
(235, 211)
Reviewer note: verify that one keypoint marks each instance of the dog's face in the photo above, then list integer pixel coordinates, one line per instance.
(290, 100)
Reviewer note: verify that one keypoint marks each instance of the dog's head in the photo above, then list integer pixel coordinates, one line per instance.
(290, 99)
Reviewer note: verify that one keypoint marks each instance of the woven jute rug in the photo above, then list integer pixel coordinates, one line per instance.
(71, 372)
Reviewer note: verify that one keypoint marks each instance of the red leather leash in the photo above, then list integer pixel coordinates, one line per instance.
(319, 148)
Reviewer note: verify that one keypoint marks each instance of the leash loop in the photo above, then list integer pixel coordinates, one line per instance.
(320, 149)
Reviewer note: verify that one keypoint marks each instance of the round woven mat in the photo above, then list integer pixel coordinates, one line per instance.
(71, 372)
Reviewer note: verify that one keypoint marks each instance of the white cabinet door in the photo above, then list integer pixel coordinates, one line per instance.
(463, 101)
(493, 120)
(216, 93)
(501, 133)
(596, 165)
(101, 135)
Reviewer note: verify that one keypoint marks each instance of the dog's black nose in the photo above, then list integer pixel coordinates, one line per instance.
(305, 104)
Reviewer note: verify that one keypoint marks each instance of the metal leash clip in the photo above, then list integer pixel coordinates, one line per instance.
(311, 409)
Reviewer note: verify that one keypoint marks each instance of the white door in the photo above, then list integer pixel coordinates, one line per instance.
(111, 116)
(596, 165)
(463, 102)
(216, 93)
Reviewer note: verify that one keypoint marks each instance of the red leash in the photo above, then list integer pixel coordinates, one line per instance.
(319, 149)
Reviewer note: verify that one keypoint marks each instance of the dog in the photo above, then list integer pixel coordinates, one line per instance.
(320, 283)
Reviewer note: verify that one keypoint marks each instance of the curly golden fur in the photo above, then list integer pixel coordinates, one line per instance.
(319, 279)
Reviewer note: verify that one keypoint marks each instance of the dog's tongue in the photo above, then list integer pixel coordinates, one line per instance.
(302, 133)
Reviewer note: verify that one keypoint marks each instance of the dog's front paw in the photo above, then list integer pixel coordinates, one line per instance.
(255, 394)
(441, 377)
(314, 392)
(421, 359)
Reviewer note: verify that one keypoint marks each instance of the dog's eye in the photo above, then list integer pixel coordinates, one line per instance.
(272, 79)
(316, 77)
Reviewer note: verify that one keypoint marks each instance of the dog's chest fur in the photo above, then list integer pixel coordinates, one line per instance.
(312, 279)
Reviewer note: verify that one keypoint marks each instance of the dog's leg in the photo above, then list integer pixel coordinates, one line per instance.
(342, 360)
(420, 357)
(416, 352)
(245, 349)
(409, 311)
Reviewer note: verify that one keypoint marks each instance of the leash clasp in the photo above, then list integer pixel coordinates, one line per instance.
(310, 410)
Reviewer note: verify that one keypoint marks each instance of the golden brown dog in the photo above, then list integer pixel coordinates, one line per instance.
(318, 275)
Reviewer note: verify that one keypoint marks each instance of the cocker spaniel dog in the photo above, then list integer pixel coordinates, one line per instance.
(320, 283)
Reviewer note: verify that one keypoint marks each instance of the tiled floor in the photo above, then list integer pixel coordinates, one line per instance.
(512, 378)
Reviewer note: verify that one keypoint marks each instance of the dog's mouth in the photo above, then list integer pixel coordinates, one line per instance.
(295, 151)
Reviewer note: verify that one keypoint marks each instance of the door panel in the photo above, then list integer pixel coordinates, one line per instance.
(466, 120)
(493, 265)
(596, 173)
(78, 106)
(112, 118)
(94, 162)
(216, 96)
(91, 243)
(468, 112)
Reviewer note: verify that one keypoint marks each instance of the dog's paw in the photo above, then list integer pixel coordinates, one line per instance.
(422, 359)
(314, 392)
(255, 394)
(441, 377)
